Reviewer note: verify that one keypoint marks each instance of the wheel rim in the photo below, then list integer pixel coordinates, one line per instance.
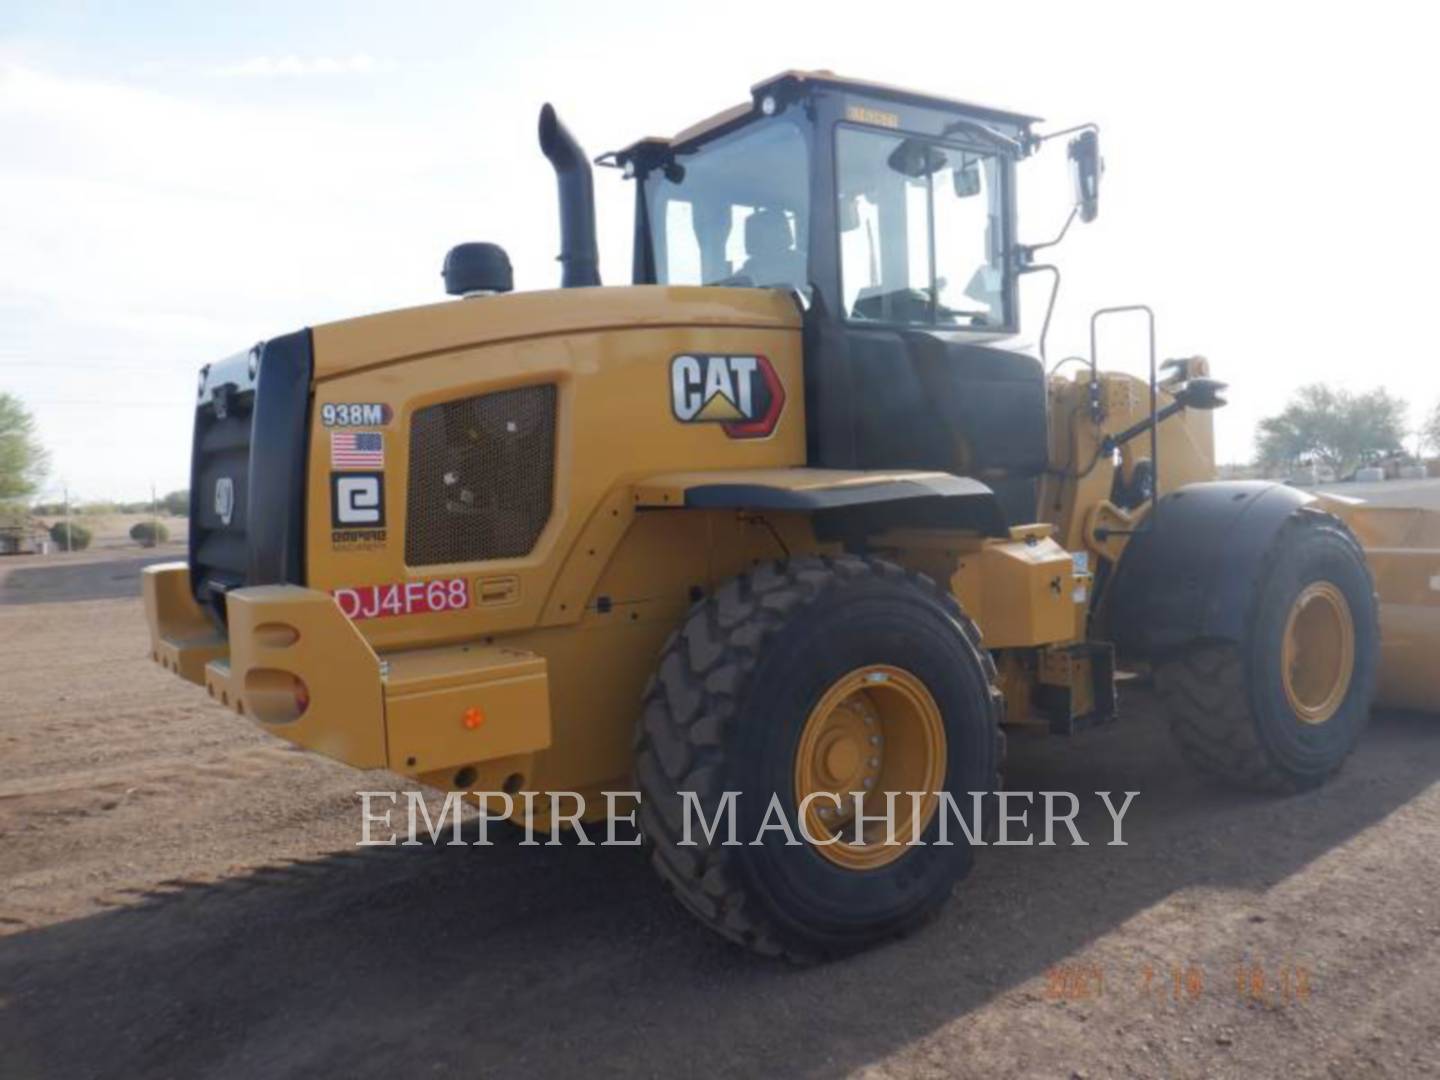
(874, 730)
(1319, 653)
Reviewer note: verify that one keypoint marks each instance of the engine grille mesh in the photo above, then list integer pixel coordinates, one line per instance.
(482, 475)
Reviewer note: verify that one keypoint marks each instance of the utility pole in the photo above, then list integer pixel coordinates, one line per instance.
(154, 516)
(67, 518)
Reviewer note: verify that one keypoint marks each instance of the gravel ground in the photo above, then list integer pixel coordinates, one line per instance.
(180, 895)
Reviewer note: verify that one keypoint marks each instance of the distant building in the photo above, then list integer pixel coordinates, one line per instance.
(1239, 471)
(21, 534)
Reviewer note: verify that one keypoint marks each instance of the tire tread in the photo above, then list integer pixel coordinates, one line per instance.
(1206, 688)
(692, 704)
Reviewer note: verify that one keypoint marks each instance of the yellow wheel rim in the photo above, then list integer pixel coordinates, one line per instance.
(1318, 657)
(876, 730)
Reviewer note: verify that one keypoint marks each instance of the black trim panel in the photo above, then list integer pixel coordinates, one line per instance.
(766, 497)
(937, 492)
(279, 451)
(251, 436)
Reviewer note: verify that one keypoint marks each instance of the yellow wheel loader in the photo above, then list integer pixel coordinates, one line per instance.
(788, 521)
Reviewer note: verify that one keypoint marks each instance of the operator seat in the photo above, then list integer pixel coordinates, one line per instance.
(771, 258)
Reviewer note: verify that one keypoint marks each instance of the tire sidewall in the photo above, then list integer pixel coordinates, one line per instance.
(868, 622)
(1309, 753)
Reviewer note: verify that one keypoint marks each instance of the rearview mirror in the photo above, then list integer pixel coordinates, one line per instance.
(967, 180)
(916, 159)
(1086, 166)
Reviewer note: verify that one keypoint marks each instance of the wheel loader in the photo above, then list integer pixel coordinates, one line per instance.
(791, 515)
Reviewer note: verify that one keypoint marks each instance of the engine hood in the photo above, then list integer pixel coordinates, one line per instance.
(393, 336)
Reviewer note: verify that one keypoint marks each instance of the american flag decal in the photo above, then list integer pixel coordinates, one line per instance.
(357, 450)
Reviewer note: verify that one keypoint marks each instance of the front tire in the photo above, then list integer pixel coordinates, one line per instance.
(781, 683)
(1283, 709)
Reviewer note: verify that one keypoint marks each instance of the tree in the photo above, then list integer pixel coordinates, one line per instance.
(22, 458)
(1431, 431)
(69, 536)
(149, 533)
(177, 503)
(1334, 428)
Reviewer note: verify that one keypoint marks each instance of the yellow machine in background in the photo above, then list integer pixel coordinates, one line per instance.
(788, 517)
(1402, 547)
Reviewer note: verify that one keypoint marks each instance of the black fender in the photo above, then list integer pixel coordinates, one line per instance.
(846, 504)
(1191, 572)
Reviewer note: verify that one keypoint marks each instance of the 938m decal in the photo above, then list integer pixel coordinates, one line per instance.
(741, 393)
(355, 414)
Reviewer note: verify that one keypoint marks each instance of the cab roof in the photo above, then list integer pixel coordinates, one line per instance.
(799, 78)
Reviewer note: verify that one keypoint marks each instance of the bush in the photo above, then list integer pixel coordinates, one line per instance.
(79, 536)
(149, 533)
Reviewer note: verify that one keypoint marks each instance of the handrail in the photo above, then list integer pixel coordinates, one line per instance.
(1148, 524)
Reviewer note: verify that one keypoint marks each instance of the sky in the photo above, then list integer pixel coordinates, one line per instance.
(179, 181)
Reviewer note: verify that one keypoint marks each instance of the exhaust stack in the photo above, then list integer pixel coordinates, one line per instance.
(579, 254)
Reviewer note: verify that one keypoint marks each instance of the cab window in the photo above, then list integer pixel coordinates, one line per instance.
(734, 211)
(921, 231)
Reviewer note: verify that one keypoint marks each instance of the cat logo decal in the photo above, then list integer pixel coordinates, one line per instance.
(741, 393)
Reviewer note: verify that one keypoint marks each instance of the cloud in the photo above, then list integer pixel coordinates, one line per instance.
(162, 229)
(292, 65)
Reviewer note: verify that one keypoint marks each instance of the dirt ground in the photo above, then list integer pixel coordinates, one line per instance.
(180, 895)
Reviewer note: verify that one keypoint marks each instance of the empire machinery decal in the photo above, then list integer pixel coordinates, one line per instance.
(407, 598)
(740, 393)
(357, 510)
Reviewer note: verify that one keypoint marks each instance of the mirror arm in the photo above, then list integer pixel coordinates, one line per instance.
(1029, 250)
(1035, 141)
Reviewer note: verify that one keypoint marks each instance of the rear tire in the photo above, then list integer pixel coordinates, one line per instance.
(739, 686)
(1265, 715)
